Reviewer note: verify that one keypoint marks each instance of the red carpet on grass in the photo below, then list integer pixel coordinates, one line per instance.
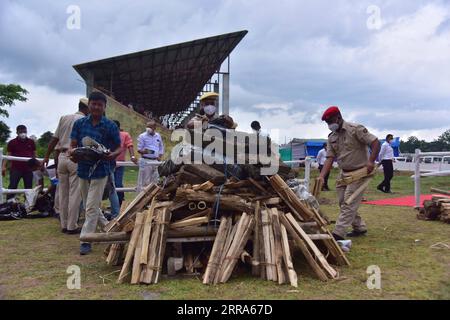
(408, 201)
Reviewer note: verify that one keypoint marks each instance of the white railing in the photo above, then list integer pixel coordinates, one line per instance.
(308, 162)
(4, 191)
(417, 173)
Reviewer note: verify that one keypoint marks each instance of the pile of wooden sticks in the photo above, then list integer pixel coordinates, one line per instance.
(216, 227)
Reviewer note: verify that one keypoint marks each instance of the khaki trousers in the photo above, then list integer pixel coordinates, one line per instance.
(69, 197)
(349, 215)
(92, 193)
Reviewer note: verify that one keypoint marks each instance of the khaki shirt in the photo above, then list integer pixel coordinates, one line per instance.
(350, 146)
(64, 129)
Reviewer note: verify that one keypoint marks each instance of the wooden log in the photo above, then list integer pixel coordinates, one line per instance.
(266, 226)
(150, 267)
(115, 252)
(273, 264)
(136, 270)
(302, 245)
(189, 222)
(262, 259)
(317, 187)
(256, 267)
(208, 185)
(105, 237)
(359, 191)
(316, 252)
(278, 251)
(147, 231)
(131, 246)
(292, 275)
(293, 202)
(222, 262)
(227, 202)
(218, 246)
(243, 232)
(203, 213)
(206, 172)
(271, 201)
(440, 191)
(166, 216)
(258, 186)
(192, 232)
(138, 203)
(184, 177)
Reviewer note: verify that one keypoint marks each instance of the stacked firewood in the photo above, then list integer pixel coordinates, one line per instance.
(438, 208)
(215, 224)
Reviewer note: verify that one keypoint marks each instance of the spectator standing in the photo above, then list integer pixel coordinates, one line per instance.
(151, 149)
(21, 146)
(386, 158)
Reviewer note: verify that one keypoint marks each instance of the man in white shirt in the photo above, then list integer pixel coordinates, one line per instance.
(321, 158)
(386, 158)
(151, 149)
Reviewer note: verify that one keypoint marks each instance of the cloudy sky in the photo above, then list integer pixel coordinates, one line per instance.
(385, 63)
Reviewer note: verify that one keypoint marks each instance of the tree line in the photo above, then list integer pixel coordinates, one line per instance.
(440, 144)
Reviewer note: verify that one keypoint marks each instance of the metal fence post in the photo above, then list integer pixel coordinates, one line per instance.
(308, 161)
(1, 180)
(417, 178)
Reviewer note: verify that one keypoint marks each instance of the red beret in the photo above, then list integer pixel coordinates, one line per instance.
(331, 111)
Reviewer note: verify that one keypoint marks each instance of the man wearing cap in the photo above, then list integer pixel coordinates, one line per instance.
(348, 142)
(151, 149)
(208, 110)
(67, 197)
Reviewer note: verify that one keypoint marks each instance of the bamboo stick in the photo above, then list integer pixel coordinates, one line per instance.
(321, 259)
(256, 241)
(147, 231)
(131, 246)
(292, 275)
(266, 226)
(301, 244)
(219, 243)
(278, 250)
(166, 216)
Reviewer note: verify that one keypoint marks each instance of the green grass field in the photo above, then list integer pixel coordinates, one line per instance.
(35, 256)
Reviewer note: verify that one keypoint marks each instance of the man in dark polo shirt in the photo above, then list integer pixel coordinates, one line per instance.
(21, 146)
(94, 175)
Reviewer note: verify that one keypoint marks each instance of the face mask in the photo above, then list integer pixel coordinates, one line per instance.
(209, 110)
(22, 135)
(150, 131)
(333, 127)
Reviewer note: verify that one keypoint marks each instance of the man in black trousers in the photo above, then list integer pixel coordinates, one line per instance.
(387, 158)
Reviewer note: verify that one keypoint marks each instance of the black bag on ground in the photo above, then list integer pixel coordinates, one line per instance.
(12, 211)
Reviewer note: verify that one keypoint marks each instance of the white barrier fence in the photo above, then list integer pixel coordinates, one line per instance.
(418, 173)
(3, 191)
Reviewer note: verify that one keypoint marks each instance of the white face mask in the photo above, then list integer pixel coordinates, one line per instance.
(150, 131)
(210, 110)
(333, 127)
(22, 135)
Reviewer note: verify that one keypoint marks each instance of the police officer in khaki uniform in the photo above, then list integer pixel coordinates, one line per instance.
(348, 142)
